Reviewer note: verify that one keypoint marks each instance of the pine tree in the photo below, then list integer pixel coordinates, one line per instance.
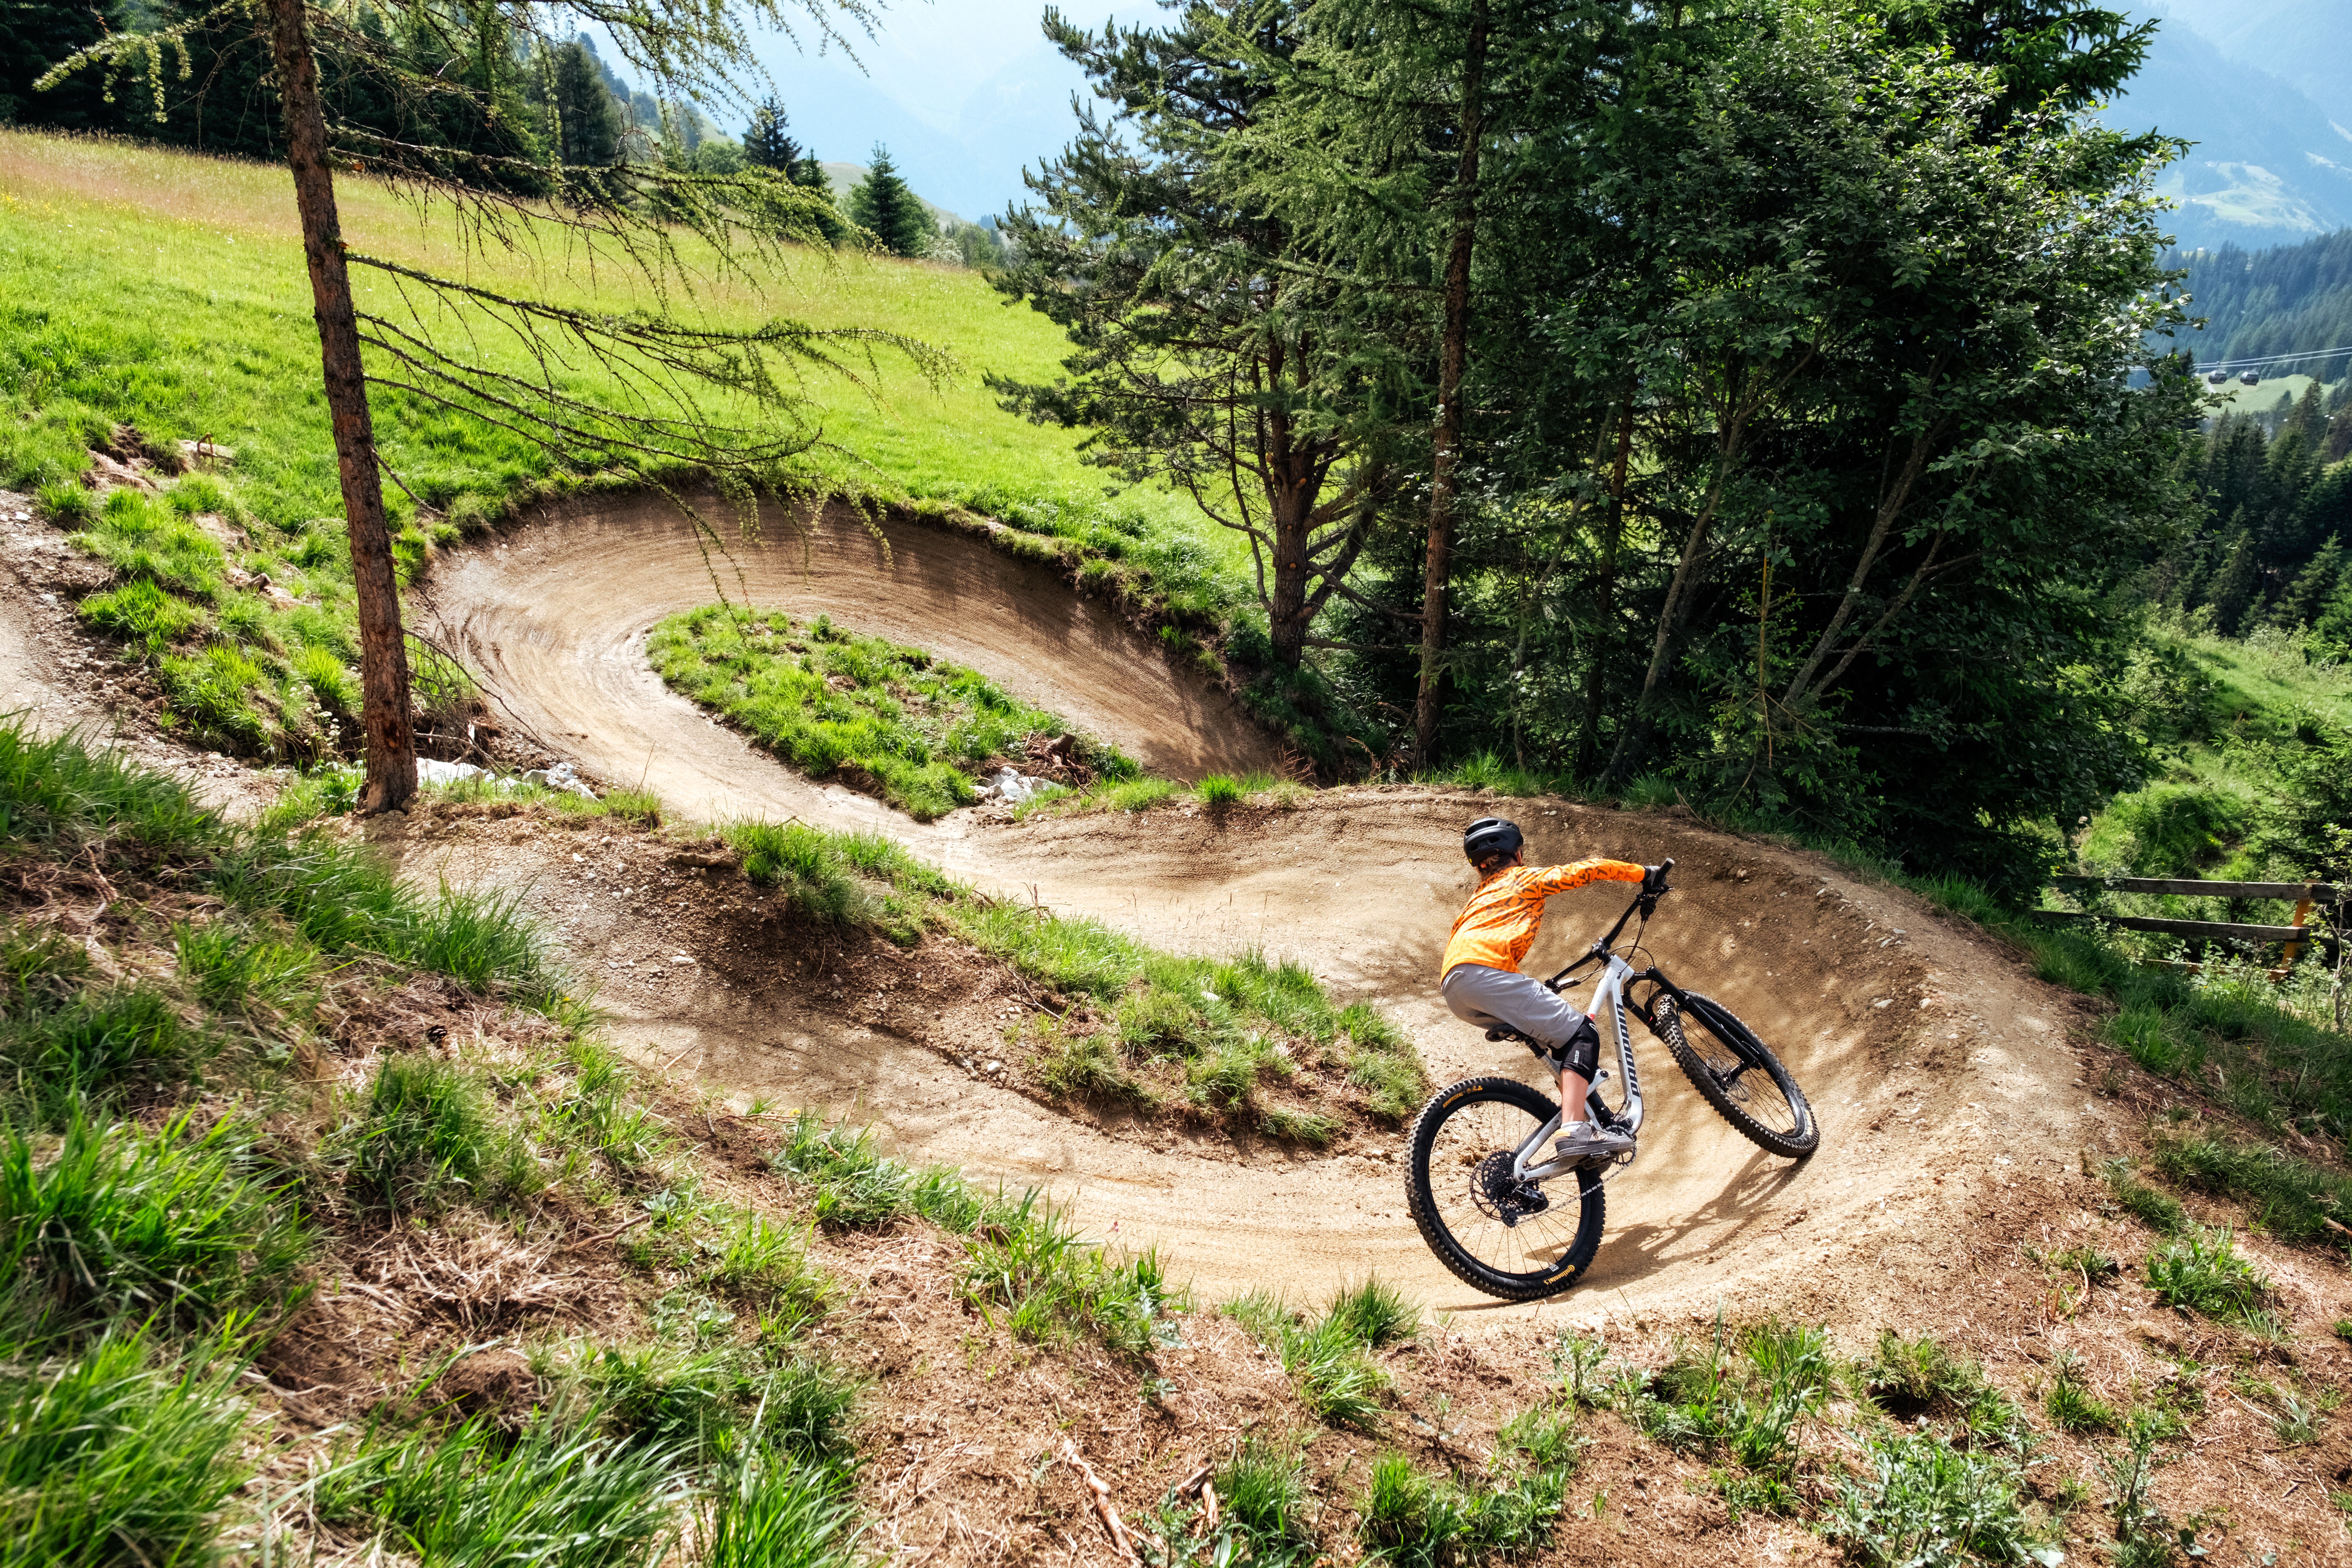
(883, 205)
(2336, 444)
(2313, 588)
(766, 144)
(2310, 416)
(581, 121)
(2231, 591)
(2334, 623)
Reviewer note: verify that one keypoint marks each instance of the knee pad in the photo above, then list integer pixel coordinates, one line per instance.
(1580, 1053)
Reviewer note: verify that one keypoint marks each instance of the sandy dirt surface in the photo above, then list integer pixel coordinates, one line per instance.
(1956, 1096)
(1943, 1076)
(1941, 1072)
(553, 616)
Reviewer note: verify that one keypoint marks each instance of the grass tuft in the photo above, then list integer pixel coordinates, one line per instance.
(1219, 789)
(120, 1454)
(423, 1132)
(2202, 1271)
(173, 1227)
(889, 720)
(2291, 1198)
(1328, 1358)
(561, 1492)
(2069, 1401)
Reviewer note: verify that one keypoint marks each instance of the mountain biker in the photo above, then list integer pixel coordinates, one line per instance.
(1480, 978)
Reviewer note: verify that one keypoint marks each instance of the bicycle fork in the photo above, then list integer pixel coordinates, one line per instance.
(1526, 1161)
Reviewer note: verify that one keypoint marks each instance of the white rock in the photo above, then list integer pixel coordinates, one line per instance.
(430, 772)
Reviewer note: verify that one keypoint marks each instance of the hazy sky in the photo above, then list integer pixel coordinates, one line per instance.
(965, 93)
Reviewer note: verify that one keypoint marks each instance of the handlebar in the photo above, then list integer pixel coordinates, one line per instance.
(1653, 887)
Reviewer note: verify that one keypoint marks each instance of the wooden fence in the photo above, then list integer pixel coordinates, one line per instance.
(2310, 899)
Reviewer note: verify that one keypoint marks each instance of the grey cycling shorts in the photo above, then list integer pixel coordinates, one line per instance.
(1502, 998)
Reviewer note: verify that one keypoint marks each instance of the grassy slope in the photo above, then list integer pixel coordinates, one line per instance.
(167, 291)
(2217, 708)
(193, 1134)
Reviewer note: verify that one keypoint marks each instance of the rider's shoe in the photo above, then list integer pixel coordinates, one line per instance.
(1582, 1141)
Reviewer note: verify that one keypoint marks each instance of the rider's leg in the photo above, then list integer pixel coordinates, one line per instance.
(1574, 1091)
(1493, 998)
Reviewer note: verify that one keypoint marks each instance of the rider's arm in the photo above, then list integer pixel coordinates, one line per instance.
(1549, 880)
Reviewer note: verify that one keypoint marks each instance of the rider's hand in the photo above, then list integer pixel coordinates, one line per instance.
(1654, 878)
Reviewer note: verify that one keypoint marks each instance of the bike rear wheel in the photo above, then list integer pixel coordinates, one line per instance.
(1516, 1240)
(1737, 1073)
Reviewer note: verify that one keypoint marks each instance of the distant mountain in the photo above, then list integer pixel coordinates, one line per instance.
(2269, 165)
(2304, 42)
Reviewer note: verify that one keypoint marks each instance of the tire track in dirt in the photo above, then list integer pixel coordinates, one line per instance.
(1938, 1071)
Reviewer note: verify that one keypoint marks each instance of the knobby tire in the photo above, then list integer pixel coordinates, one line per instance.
(1444, 1203)
(1794, 1142)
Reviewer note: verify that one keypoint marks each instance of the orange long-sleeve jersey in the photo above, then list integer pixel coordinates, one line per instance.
(1499, 923)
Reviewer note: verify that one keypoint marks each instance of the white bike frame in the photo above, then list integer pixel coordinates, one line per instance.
(1609, 997)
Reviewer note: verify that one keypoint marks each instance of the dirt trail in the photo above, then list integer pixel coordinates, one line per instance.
(1938, 1068)
(554, 618)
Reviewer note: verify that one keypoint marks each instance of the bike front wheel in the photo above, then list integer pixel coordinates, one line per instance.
(1518, 1240)
(1737, 1073)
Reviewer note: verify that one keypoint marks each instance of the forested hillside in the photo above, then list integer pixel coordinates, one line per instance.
(2287, 300)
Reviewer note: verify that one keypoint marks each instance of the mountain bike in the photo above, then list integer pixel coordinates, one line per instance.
(1483, 1186)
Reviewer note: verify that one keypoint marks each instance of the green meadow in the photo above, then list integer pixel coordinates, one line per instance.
(166, 292)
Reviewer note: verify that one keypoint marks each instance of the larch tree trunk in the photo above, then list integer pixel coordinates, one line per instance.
(388, 730)
(1453, 354)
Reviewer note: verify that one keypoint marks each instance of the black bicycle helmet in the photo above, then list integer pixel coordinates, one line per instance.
(1491, 838)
